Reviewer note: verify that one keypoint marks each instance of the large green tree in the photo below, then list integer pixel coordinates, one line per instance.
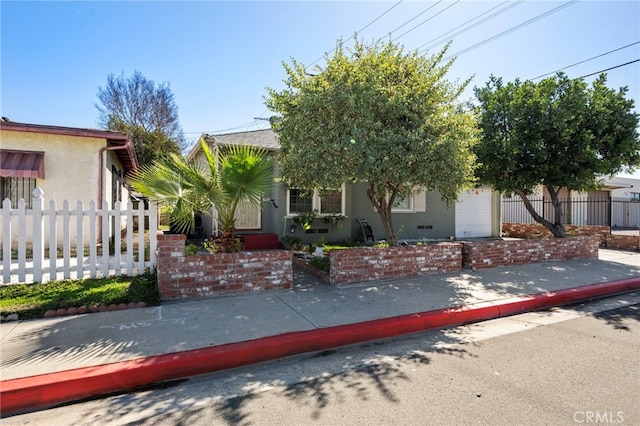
(235, 174)
(144, 110)
(557, 133)
(379, 115)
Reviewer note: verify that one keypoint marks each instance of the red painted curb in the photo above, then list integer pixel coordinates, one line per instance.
(47, 390)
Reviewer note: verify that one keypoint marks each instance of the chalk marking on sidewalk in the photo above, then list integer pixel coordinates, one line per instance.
(146, 323)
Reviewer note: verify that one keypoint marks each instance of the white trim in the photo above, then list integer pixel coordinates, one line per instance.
(410, 209)
(417, 203)
(317, 205)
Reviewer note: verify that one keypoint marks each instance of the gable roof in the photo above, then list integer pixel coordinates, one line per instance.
(126, 155)
(265, 138)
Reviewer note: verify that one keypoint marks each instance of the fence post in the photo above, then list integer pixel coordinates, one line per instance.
(141, 238)
(153, 233)
(53, 241)
(79, 240)
(105, 238)
(129, 217)
(6, 240)
(22, 240)
(38, 234)
(93, 238)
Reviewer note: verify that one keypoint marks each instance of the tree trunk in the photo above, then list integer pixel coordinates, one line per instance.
(556, 227)
(383, 207)
(228, 241)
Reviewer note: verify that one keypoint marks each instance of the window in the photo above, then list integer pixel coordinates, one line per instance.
(404, 204)
(635, 196)
(413, 202)
(326, 203)
(298, 203)
(331, 203)
(116, 184)
(15, 188)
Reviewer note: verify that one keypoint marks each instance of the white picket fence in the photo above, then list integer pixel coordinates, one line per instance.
(125, 258)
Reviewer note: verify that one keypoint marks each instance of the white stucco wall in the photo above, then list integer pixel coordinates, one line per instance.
(71, 173)
(629, 186)
(70, 163)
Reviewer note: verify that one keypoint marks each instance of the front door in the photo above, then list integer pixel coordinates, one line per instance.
(247, 217)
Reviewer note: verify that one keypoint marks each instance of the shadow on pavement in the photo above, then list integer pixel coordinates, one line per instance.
(311, 380)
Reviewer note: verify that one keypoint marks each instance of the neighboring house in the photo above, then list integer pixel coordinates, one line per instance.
(423, 215)
(625, 201)
(67, 163)
(615, 204)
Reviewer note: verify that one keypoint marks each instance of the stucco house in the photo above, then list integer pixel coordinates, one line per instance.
(67, 163)
(423, 215)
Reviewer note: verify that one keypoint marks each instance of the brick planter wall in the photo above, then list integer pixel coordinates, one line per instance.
(622, 242)
(201, 275)
(536, 230)
(372, 263)
(489, 254)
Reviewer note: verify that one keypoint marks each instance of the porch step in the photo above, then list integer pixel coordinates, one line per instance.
(260, 242)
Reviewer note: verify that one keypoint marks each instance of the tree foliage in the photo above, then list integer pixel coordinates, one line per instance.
(379, 115)
(558, 133)
(145, 111)
(234, 175)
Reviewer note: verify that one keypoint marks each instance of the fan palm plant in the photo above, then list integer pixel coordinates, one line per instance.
(235, 174)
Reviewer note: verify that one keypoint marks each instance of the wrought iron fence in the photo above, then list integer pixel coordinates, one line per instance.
(590, 210)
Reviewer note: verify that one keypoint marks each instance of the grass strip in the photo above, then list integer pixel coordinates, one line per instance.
(33, 300)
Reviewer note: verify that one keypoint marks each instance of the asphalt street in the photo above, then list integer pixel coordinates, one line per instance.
(573, 365)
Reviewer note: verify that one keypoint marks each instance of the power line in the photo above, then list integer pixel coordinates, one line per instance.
(432, 42)
(253, 123)
(611, 68)
(586, 60)
(256, 121)
(359, 31)
(415, 17)
(512, 29)
(440, 40)
(427, 20)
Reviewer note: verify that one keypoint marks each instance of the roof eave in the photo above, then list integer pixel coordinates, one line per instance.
(59, 130)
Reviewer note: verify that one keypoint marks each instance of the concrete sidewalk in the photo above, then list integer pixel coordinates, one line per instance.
(58, 345)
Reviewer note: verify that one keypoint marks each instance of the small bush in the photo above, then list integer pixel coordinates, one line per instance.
(321, 262)
(190, 249)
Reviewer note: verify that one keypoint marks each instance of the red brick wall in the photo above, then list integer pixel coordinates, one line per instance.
(536, 230)
(201, 275)
(489, 254)
(623, 242)
(374, 263)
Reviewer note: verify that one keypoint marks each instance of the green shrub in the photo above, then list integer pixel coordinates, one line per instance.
(190, 249)
(321, 262)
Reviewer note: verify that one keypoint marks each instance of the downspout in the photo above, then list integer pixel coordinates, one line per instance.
(127, 146)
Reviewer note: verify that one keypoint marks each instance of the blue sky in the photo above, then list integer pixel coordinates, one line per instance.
(219, 57)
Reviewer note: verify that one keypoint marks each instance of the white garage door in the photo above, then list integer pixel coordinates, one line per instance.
(473, 214)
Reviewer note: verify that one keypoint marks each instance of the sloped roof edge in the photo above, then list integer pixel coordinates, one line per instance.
(264, 138)
(128, 159)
